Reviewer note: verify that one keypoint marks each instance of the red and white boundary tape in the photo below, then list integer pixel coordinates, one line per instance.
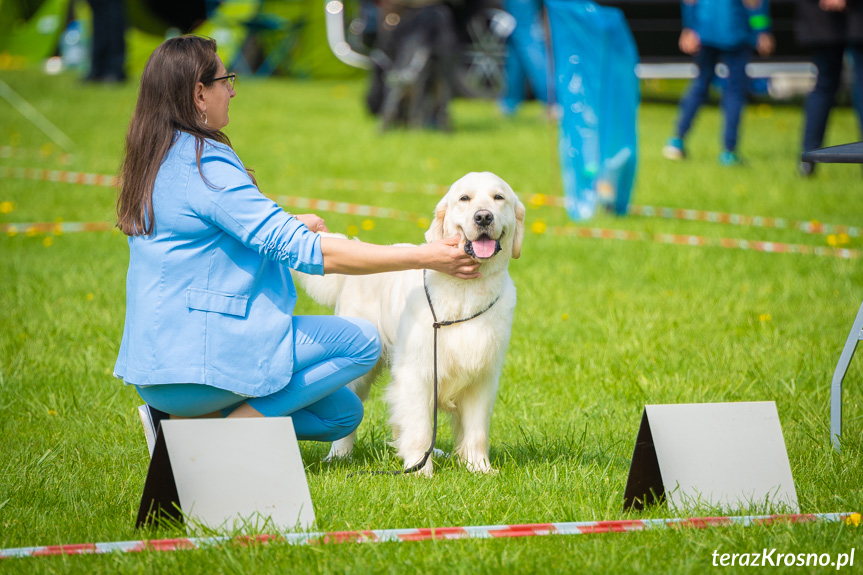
(731, 243)
(809, 227)
(426, 534)
(59, 228)
(43, 153)
(61, 176)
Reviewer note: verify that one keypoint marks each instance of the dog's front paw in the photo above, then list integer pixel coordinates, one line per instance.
(339, 453)
(426, 470)
(481, 465)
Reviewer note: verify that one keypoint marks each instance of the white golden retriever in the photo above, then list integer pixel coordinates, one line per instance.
(486, 213)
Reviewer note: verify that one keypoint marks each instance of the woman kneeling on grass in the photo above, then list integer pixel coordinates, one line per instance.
(209, 297)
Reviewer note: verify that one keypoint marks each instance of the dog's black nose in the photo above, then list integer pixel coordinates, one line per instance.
(483, 218)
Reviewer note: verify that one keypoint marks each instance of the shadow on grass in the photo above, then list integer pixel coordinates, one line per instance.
(573, 448)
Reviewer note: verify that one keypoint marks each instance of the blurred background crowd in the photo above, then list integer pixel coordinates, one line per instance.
(421, 54)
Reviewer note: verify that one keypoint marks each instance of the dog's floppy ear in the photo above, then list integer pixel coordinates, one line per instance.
(519, 230)
(435, 231)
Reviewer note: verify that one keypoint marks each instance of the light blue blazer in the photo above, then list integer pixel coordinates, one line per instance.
(209, 295)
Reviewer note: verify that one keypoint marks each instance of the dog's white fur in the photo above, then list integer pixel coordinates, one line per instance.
(470, 354)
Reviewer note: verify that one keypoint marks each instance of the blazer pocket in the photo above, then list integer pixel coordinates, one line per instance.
(205, 300)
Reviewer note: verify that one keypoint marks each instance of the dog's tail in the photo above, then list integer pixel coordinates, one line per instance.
(323, 289)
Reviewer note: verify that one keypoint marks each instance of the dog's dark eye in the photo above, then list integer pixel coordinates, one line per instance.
(464, 199)
(498, 197)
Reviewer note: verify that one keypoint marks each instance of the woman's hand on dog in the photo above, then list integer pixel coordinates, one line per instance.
(449, 257)
(314, 222)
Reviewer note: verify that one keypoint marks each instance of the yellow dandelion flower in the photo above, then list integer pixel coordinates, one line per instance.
(32, 231)
(353, 230)
(48, 241)
(538, 227)
(764, 317)
(52, 412)
(853, 519)
(423, 222)
(844, 239)
(6, 207)
(538, 199)
(564, 317)
(368, 225)
(12, 231)
(832, 241)
(90, 296)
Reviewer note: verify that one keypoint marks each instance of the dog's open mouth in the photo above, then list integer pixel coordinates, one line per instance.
(482, 248)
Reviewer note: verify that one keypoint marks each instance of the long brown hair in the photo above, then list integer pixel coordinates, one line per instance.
(165, 105)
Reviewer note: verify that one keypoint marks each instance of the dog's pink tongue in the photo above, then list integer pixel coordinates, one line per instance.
(484, 248)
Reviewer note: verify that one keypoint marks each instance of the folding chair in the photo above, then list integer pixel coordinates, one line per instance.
(839, 374)
(845, 154)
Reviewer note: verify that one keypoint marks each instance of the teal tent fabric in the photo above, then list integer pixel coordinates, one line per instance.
(526, 58)
(597, 95)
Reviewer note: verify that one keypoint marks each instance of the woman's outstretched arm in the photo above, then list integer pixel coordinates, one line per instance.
(343, 256)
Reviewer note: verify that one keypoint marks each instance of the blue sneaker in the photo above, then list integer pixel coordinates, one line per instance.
(673, 149)
(727, 158)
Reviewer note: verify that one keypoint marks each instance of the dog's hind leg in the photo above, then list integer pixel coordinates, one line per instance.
(344, 447)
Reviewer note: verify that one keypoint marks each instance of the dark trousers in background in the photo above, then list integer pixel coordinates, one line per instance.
(108, 60)
(733, 95)
(829, 60)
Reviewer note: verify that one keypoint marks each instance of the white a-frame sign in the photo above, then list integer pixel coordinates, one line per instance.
(729, 455)
(227, 474)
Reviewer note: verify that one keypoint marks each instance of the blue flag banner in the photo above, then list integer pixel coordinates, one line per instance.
(526, 59)
(597, 94)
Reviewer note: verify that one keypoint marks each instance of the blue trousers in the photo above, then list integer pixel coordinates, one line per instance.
(828, 60)
(733, 95)
(329, 352)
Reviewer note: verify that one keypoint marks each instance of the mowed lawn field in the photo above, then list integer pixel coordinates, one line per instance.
(602, 328)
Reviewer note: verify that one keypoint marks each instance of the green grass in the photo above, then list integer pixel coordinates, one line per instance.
(602, 328)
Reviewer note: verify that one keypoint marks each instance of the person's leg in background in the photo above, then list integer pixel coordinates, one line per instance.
(108, 56)
(115, 59)
(855, 54)
(733, 102)
(515, 81)
(696, 95)
(828, 61)
(445, 63)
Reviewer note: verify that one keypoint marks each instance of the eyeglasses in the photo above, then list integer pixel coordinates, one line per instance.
(230, 78)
